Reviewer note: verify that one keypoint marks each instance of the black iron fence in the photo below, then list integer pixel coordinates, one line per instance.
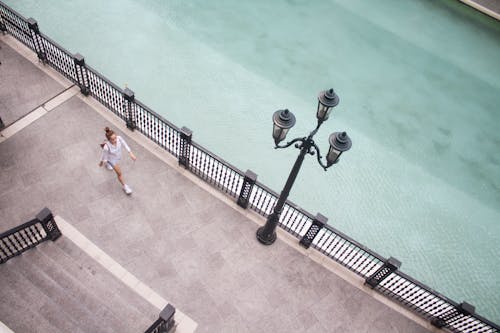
(165, 322)
(28, 235)
(312, 231)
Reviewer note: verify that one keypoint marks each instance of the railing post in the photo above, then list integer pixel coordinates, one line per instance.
(246, 189)
(165, 322)
(447, 318)
(185, 146)
(49, 224)
(3, 27)
(317, 224)
(81, 74)
(129, 97)
(167, 314)
(35, 36)
(389, 266)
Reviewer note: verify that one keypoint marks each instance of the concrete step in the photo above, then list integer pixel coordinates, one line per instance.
(119, 297)
(31, 321)
(36, 269)
(24, 308)
(58, 284)
(82, 291)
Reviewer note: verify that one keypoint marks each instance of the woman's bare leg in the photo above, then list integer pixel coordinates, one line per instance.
(119, 174)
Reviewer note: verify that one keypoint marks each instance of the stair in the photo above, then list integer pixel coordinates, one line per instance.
(56, 287)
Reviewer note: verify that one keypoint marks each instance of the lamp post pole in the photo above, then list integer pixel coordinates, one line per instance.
(283, 121)
(267, 234)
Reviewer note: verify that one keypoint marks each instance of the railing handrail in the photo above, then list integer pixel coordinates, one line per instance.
(28, 235)
(160, 117)
(426, 287)
(23, 30)
(288, 202)
(13, 11)
(104, 78)
(218, 158)
(355, 243)
(20, 239)
(56, 44)
(165, 322)
(385, 268)
(443, 297)
(18, 228)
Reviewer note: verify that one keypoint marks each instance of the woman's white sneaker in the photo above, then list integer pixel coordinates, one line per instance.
(127, 189)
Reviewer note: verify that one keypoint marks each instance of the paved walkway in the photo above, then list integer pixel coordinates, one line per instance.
(195, 250)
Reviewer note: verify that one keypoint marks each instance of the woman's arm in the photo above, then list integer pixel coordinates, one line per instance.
(132, 156)
(104, 155)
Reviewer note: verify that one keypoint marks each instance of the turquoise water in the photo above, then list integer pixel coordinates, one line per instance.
(419, 83)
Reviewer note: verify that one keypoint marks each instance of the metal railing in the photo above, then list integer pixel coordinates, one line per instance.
(165, 322)
(347, 252)
(28, 235)
(430, 304)
(16, 25)
(214, 170)
(312, 231)
(159, 130)
(293, 219)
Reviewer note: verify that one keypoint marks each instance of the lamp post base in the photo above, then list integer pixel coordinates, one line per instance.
(266, 239)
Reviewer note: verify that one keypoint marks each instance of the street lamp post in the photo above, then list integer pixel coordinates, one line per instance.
(283, 121)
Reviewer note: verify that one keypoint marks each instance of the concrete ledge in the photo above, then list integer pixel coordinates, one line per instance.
(37, 113)
(61, 98)
(22, 123)
(4, 328)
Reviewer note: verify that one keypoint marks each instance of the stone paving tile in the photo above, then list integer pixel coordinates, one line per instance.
(23, 87)
(190, 247)
(233, 321)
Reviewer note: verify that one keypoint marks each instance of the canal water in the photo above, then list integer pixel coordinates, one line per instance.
(419, 87)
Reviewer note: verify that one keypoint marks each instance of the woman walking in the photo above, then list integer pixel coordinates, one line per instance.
(112, 153)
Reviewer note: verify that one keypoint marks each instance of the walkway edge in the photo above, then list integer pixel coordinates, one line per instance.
(184, 323)
(5, 329)
(482, 9)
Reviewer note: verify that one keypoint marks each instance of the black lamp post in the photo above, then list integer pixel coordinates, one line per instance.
(283, 121)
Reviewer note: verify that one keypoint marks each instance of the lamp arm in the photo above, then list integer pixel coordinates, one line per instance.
(318, 155)
(288, 144)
